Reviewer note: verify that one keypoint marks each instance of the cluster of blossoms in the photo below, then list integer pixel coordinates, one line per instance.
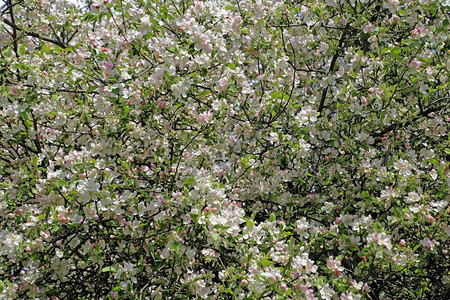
(245, 149)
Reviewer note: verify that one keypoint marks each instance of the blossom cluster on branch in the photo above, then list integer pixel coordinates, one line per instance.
(241, 149)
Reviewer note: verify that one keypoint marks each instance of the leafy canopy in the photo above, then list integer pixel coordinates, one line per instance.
(246, 149)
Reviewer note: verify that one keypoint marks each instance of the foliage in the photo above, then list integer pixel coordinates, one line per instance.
(224, 149)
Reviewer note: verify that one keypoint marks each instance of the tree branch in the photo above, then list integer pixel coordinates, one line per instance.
(407, 123)
(34, 34)
(332, 65)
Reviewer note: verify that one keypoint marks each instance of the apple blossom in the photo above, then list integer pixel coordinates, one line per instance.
(224, 149)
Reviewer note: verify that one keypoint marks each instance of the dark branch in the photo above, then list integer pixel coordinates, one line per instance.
(34, 34)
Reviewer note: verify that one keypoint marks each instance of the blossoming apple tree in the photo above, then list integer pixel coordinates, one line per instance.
(242, 149)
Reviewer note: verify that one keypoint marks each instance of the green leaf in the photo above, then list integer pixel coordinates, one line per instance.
(272, 217)
(22, 50)
(339, 285)
(249, 223)
(276, 95)
(320, 282)
(377, 227)
(215, 236)
(28, 123)
(317, 11)
(109, 269)
(231, 66)
(45, 48)
(434, 161)
(24, 114)
(266, 262)
(35, 160)
(190, 181)
(8, 53)
(171, 49)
